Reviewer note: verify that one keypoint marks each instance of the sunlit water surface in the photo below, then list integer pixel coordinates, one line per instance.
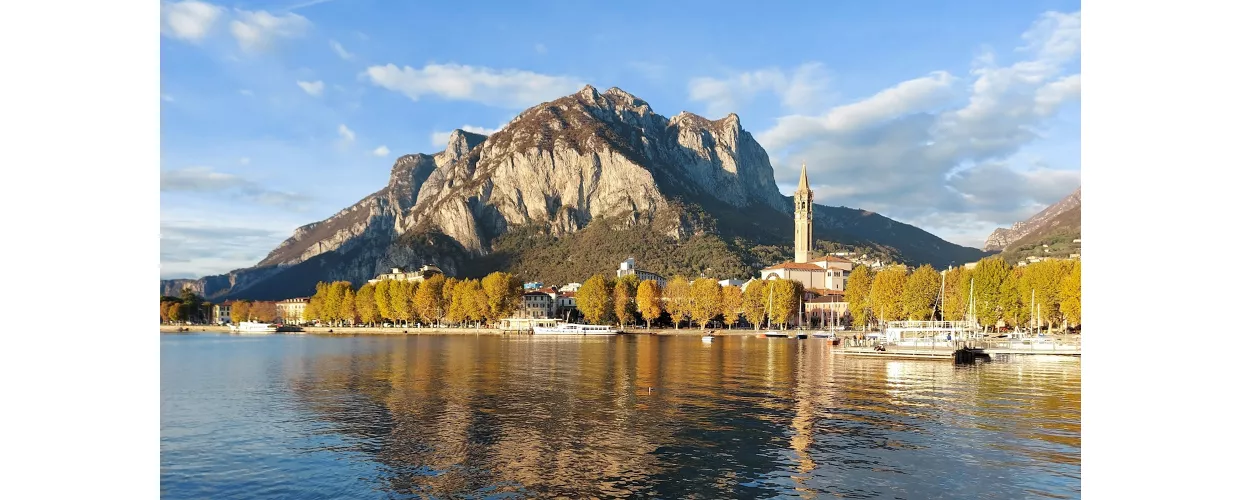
(295, 416)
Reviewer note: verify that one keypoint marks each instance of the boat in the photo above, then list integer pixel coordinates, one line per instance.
(829, 336)
(772, 334)
(253, 327)
(708, 339)
(575, 329)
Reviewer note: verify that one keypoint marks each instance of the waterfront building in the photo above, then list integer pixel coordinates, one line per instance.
(423, 273)
(827, 308)
(538, 304)
(222, 313)
(629, 266)
(571, 287)
(292, 311)
(565, 303)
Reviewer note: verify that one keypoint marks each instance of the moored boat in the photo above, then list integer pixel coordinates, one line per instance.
(575, 329)
(251, 327)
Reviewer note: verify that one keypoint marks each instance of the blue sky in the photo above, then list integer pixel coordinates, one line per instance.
(957, 117)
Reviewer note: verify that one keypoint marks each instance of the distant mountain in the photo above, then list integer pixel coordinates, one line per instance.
(1002, 238)
(570, 188)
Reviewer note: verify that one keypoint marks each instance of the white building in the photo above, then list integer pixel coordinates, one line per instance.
(629, 266)
(571, 287)
(824, 273)
(732, 282)
(423, 273)
(538, 304)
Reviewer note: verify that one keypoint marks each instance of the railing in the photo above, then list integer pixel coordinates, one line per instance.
(930, 325)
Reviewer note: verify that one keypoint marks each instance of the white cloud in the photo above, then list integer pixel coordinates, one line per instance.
(314, 88)
(339, 50)
(256, 31)
(938, 151)
(205, 180)
(188, 20)
(506, 88)
(381, 151)
(440, 139)
(346, 136)
(801, 90)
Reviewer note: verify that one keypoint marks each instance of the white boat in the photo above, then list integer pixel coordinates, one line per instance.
(708, 339)
(253, 327)
(575, 329)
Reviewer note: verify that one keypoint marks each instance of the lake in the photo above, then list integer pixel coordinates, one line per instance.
(638, 416)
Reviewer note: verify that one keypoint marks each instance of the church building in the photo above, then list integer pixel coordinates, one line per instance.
(822, 276)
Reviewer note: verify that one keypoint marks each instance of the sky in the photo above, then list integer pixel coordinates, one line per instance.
(956, 117)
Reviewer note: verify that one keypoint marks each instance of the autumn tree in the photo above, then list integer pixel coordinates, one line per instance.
(1013, 304)
(399, 302)
(623, 299)
(163, 310)
(754, 300)
(730, 301)
(383, 299)
(240, 311)
(594, 299)
(479, 303)
(1045, 279)
(921, 294)
(503, 292)
(264, 311)
(887, 292)
(649, 300)
(429, 299)
(1070, 295)
(956, 294)
(785, 300)
(678, 299)
(988, 279)
(857, 295)
(174, 312)
(348, 304)
(706, 300)
(367, 309)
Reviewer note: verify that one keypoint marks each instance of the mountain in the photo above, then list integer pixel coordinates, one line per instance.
(1058, 224)
(570, 188)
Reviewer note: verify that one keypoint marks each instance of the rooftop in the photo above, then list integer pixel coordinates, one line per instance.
(796, 265)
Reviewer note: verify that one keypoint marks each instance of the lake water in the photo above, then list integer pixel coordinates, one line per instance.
(300, 416)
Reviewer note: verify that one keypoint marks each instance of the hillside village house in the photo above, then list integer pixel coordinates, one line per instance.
(629, 266)
(292, 311)
(422, 274)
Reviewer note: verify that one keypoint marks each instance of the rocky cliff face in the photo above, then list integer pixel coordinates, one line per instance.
(1001, 237)
(558, 165)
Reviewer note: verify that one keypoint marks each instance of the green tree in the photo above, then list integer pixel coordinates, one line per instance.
(887, 293)
(730, 301)
(785, 300)
(755, 301)
(956, 301)
(367, 308)
(706, 300)
(857, 295)
(503, 293)
(649, 300)
(921, 294)
(1070, 295)
(678, 299)
(594, 299)
(624, 299)
(988, 279)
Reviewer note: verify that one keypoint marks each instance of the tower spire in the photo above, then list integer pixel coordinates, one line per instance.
(804, 185)
(803, 201)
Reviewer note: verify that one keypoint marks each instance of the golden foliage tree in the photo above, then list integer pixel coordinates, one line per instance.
(264, 311)
(857, 295)
(383, 300)
(988, 279)
(678, 299)
(624, 300)
(705, 300)
(240, 311)
(649, 300)
(921, 294)
(785, 300)
(348, 305)
(754, 300)
(367, 308)
(174, 312)
(1012, 300)
(887, 293)
(1070, 295)
(503, 292)
(399, 301)
(956, 300)
(428, 299)
(594, 299)
(1045, 279)
(731, 302)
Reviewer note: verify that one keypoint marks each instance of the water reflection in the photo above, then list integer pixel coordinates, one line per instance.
(666, 417)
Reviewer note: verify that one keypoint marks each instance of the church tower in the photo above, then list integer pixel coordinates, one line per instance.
(804, 218)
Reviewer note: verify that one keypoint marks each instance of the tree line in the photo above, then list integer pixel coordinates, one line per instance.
(1049, 292)
(605, 300)
(437, 301)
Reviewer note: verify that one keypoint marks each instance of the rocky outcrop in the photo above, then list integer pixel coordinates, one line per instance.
(1001, 238)
(559, 165)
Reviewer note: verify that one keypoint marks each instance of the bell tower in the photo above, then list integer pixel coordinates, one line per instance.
(803, 201)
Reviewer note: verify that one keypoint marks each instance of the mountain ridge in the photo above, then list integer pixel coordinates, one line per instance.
(1002, 238)
(552, 172)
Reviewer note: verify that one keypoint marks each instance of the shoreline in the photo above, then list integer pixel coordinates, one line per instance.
(353, 330)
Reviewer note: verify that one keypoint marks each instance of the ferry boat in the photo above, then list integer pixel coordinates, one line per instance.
(253, 327)
(575, 329)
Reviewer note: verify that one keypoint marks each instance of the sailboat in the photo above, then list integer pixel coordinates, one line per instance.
(769, 301)
(800, 315)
